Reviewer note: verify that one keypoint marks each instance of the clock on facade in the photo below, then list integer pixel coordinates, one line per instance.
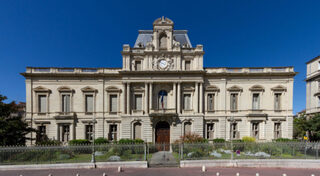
(163, 64)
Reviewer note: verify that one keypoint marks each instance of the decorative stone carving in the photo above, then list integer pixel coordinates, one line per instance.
(163, 63)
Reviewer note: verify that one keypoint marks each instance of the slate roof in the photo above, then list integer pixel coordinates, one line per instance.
(145, 36)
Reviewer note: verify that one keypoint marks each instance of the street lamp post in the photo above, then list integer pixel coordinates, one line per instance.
(231, 135)
(93, 158)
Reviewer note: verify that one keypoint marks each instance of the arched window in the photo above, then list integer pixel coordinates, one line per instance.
(187, 128)
(163, 41)
(137, 130)
(162, 99)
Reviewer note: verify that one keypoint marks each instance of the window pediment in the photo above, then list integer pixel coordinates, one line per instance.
(212, 88)
(279, 88)
(65, 89)
(41, 89)
(257, 88)
(188, 88)
(235, 89)
(113, 89)
(89, 89)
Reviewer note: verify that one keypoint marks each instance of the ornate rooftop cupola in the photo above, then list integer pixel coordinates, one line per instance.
(162, 38)
(162, 49)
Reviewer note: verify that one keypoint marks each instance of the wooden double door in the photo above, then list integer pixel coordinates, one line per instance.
(162, 135)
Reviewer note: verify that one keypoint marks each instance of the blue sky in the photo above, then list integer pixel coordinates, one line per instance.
(246, 33)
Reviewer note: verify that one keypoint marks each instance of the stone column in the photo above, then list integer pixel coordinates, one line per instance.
(179, 99)
(175, 96)
(123, 99)
(146, 98)
(201, 98)
(150, 97)
(196, 102)
(128, 98)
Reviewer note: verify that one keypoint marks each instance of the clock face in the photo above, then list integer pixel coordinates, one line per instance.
(163, 64)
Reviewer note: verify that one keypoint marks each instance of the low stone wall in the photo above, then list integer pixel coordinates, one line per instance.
(280, 163)
(125, 164)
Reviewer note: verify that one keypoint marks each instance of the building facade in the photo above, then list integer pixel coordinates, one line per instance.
(162, 92)
(313, 86)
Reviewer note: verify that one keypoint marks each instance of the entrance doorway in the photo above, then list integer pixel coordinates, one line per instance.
(162, 136)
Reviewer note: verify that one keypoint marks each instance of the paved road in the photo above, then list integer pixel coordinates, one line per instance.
(167, 172)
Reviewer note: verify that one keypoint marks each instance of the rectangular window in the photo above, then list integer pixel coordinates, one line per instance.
(41, 135)
(255, 101)
(188, 65)
(187, 101)
(210, 102)
(138, 102)
(113, 132)
(65, 103)
(255, 130)
(277, 130)
(277, 101)
(113, 103)
(42, 103)
(210, 131)
(187, 128)
(137, 130)
(138, 66)
(234, 102)
(89, 132)
(65, 133)
(89, 104)
(234, 131)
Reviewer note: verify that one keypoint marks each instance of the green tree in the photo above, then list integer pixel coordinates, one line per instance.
(310, 126)
(13, 129)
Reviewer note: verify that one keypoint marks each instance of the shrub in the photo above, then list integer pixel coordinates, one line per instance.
(79, 142)
(248, 139)
(286, 140)
(191, 138)
(101, 140)
(49, 142)
(219, 140)
(130, 141)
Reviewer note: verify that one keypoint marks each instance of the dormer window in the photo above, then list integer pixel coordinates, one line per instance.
(163, 41)
(187, 65)
(138, 66)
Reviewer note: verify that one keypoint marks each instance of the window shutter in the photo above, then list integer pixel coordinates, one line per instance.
(113, 103)
(137, 130)
(89, 103)
(42, 103)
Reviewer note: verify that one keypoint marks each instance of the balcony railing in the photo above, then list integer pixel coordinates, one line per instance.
(163, 111)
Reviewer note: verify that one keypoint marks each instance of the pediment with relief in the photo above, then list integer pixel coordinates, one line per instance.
(235, 89)
(279, 88)
(89, 89)
(41, 89)
(113, 89)
(257, 88)
(212, 88)
(65, 89)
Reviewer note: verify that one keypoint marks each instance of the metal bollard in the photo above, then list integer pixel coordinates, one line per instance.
(203, 168)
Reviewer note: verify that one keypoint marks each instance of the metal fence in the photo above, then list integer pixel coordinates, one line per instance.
(144, 152)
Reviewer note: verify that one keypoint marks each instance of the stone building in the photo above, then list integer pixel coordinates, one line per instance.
(313, 86)
(161, 93)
